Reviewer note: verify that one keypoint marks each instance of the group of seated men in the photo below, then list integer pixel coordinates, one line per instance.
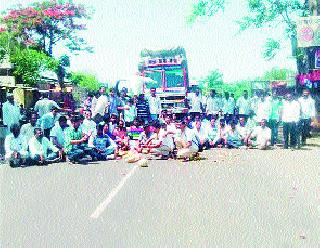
(77, 138)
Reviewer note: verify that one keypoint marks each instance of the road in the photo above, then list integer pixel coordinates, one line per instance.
(232, 198)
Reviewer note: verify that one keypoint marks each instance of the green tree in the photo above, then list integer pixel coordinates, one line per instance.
(214, 80)
(38, 28)
(86, 81)
(237, 88)
(46, 24)
(277, 74)
(29, 65)
(265, 13)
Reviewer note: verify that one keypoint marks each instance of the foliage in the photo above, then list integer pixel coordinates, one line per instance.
(84, 80)
(163, 53)
(29, 65)
(42, 25)
(214, 81)
(206, 8)
(271, 48)
(277, 74)
(261, 13)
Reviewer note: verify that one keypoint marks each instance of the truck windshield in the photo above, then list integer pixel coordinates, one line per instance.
(174, 78)
(156, 76)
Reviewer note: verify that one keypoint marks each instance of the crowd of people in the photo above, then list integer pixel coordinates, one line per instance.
(111, 126)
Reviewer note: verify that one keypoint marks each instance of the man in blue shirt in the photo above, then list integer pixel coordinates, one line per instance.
(48, 121)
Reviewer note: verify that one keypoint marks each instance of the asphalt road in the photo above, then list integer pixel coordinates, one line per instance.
(233, 198)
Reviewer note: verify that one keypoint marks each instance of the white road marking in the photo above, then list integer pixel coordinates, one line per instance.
(103, 205)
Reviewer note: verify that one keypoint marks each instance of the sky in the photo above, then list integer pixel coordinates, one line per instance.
(120, 29)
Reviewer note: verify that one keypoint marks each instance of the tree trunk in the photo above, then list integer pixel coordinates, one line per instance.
(50, 42)
(44, 42)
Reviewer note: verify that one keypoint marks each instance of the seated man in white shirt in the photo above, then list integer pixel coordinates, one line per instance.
(221, 138)
(202, 135)
(27, 130)
(263, 135)
(15, 147)
(166, 141)
(171, 126)
(57, 132)
(42, 150)
(244, 130)
(187, 145)
(233, 137)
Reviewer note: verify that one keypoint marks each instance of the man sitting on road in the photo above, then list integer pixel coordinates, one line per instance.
(243, 130)
(27, 130)
(221, 139)
(76, 142)
(233, 137)
(104, 146)
(42, 150)
(57, 133)
(202, 135)
(212, 130)
(187, 144)
(16, 147)
(263, 135)
(165, 144)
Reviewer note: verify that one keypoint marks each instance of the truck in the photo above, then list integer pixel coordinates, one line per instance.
(168, 71)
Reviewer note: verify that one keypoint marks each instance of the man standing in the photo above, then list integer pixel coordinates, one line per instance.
(44, 105)
(213, 105)
(100, 107)
(89, 128)
(263, 109)
(114, 103)
(11, 112)
(129, 113)
(228, 105)
(142, 108)
(254, 101)
(290, 118)
(274, 118)
(243, 105)
(154, 105)
(196, 104)
(48, 121)
(308, 111)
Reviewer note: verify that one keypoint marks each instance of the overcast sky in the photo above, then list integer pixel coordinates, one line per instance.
(120, 29)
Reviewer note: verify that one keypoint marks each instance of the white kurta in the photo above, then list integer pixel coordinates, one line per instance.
(11, 114)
